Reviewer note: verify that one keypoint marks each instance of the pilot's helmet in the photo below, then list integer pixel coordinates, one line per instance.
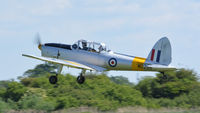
(84, 43)
(103, 46)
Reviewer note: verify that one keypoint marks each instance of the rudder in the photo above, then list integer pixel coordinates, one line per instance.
(161, 52)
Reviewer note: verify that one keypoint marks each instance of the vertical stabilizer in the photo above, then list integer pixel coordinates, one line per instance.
(161, 52)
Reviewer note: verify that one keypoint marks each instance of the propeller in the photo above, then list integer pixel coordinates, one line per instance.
(38, 40)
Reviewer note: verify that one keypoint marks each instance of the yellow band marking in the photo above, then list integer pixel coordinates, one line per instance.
(72, 62)
(137, 64)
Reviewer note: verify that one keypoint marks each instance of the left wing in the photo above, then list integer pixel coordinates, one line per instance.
(65, 63)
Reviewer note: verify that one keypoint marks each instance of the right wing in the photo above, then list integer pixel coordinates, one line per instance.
(65, 63)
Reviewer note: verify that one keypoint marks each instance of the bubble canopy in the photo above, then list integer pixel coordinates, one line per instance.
(89, 46)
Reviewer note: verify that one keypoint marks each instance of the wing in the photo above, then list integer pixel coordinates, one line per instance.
(97, 68)
(67, 63)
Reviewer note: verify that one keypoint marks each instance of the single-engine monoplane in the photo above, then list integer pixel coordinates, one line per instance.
(94, 56)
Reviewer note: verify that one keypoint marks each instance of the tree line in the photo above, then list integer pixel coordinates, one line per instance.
(33, 91)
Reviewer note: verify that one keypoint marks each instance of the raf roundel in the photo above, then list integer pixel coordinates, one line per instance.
(112, 62)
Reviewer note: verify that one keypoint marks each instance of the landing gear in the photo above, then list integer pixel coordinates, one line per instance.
(53, 79)
(81, 79)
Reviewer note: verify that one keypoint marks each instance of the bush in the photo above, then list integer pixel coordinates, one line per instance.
(177, 89)
(190, 100)
(3, 106)
(172, 85)
(121, 80)
(35, 102)
(15, 91)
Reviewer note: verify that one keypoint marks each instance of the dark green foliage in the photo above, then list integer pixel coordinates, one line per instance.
(190, 100)
(39, 82)
(96, 91)
(3, 87)
(121, 80)
(4, 84)
(35, 102)
(177, 89)
(171, 85)
(3, 106)
(12, 104)
(14, 91)
(2, 92)
(40, 70)
(146, 85)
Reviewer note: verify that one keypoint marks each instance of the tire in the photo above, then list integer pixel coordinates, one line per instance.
(80, 79)
(53, 79)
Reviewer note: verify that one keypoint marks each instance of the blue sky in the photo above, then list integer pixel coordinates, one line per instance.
(126, 26)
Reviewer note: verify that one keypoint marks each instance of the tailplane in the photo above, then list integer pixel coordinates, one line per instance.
(161, 52)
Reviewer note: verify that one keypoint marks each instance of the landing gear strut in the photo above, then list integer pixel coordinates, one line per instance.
(81, 79)
(53, 79)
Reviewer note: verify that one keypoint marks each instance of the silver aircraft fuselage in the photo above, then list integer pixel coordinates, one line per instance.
(101, 59)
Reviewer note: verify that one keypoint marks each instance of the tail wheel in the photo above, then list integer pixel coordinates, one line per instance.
(80, 79)
(53, 79)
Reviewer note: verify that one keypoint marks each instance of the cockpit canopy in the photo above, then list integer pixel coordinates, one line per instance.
(89, 46)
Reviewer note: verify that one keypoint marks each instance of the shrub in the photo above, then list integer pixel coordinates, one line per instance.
(35, 102)
(3, 106)
(15, 91)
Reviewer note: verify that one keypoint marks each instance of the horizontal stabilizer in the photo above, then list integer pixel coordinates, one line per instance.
(159, 68)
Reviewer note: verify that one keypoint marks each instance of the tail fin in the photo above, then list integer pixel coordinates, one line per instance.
(161, 52)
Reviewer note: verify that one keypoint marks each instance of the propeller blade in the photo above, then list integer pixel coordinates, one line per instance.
(38, 40)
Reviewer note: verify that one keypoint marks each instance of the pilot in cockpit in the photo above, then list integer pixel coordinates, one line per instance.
(84, 44)
(102, 47)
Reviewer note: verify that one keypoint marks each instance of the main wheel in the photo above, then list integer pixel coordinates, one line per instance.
(53, 79)
(80, 79)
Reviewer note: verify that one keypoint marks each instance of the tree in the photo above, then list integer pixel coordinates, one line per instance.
(120, 80)
(171, 85)
(146, 86)
(177, 89)
(14, 91)
(40, 70)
